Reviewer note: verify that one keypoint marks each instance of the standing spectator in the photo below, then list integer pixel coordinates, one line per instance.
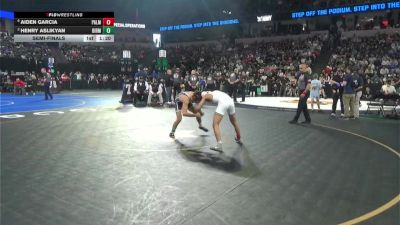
(233, 82)
(242, 85)
(348, 95)
(77, 80)
(358, 85)
(337, 92)
(283, 81)
(202, 83)
(168, 86)
(210, 83)
(53, 85)
(252, 86)
(177, 81)
(315, 92)
(105, 81)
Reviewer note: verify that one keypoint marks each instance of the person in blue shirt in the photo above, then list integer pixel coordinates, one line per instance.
(154, 75)
(202, 83)
(337, 91)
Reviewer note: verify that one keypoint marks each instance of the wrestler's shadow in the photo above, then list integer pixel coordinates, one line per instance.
(235, 160)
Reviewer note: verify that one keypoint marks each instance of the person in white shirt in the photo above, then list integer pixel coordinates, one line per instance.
(140, 89)
(225, 104)
(383, 71)
(388, 89)
(315, 92)
(155, 89)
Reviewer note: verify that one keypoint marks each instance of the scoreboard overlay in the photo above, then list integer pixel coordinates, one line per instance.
(64, 27)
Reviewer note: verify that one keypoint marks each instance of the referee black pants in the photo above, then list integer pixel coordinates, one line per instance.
(302, 107)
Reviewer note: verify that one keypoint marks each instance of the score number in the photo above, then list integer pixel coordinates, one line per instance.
(108, 25)
(108, 21)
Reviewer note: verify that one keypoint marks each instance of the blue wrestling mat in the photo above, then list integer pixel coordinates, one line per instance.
(18, 103)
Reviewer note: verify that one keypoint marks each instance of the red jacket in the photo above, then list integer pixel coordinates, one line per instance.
(19, 83)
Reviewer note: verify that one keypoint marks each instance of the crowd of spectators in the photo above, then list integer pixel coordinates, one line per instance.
(375, 59)
(30, 52)
(271, 65)
(97, 54)
(34, 81)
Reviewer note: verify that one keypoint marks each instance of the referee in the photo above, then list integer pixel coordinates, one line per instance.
(304, 86)
(47, 84)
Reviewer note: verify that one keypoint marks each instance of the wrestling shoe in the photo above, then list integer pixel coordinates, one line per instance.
(203, 128)
(238, 141)
(217, 148)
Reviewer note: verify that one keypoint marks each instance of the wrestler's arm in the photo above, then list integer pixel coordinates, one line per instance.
(185, 111)
(202, 102)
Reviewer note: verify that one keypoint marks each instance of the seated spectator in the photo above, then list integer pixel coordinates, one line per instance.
(156, 89)
(140, 90)
(388, 90)
(368, 94)
(65, 81)
(30, 88)
(19, 86)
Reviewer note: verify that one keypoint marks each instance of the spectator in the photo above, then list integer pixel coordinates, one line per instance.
(348, 95)
(19, 87)
(141, 90)
(388, 90)
(155, 90)
(315, 92)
